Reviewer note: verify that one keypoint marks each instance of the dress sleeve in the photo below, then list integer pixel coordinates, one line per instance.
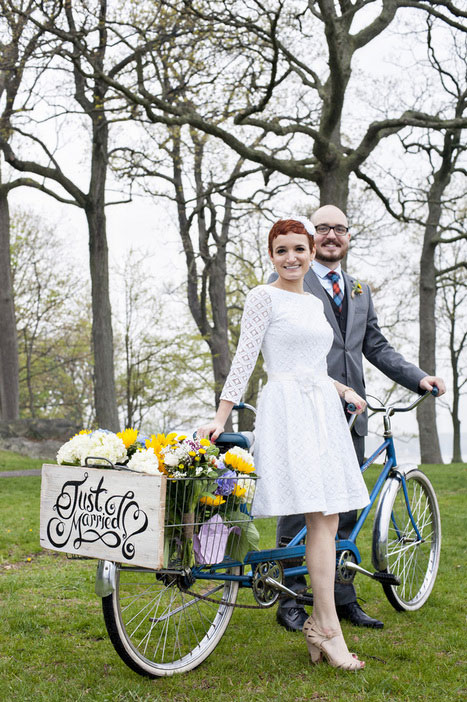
(255, 320)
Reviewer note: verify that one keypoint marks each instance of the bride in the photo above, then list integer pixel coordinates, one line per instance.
(304, 454)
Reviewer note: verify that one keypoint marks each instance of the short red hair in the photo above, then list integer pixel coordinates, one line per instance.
(286, 226)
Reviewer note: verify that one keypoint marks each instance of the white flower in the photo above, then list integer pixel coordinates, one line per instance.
(104, 444)
(73, 449)
(178, 474)
(244, 481)
(100, 444)
(174, 455)
(171, 460)
(144, 461)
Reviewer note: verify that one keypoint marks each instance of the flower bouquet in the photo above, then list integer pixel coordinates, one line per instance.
(207, 501)
(207, 497)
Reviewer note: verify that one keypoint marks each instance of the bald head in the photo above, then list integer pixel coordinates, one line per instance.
(329, 214)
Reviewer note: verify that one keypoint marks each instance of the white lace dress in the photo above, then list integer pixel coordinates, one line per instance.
(304, 454)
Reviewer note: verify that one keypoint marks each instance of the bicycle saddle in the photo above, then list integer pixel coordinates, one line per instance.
(243, 439)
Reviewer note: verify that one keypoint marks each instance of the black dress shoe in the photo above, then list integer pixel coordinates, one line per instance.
(292, 618)
(356, 616)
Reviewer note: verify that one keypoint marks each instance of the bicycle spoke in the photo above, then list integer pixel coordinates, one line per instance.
(159, 628)
(412, 559)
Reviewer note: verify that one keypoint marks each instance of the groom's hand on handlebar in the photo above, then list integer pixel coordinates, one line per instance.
(431, 381)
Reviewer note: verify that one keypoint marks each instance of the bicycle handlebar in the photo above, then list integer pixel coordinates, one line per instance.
(391, 409)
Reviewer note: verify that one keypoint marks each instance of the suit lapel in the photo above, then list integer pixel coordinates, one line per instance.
(311, 284)
(349, 282)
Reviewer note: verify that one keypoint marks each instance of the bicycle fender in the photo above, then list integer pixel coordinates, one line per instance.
(383, 515)
(105, 578)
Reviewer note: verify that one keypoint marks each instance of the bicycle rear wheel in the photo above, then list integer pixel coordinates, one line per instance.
(157, 628)
(396, 546)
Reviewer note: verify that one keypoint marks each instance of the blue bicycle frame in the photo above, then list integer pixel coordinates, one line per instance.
(296, 548)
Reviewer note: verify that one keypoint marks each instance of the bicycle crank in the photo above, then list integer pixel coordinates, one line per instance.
(380, 576)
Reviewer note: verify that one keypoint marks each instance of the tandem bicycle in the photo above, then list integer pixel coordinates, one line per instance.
(168, 621)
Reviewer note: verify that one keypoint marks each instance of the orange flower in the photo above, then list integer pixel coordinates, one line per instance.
(212, 501)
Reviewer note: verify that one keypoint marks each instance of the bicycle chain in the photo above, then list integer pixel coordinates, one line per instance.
(221, 602)
(234, 604)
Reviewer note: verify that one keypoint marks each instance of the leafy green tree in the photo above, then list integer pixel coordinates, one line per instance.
(164, 372)
(54, 330)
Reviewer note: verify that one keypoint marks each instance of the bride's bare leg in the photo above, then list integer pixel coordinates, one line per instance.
(321, 564)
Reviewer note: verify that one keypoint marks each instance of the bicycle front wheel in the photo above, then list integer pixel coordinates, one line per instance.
(159, 629)
(396, 546)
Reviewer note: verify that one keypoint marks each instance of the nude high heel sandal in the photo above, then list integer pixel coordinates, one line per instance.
(316, 638)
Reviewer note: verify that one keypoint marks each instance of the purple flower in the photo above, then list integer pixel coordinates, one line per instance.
(194, 445)
(226, 483)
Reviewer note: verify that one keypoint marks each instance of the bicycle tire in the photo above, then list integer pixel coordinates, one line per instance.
(396, 547)
(158, 629)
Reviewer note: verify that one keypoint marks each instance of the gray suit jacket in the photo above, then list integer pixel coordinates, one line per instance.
(363, 337)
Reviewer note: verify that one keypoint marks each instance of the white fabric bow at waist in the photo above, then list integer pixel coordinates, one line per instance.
(315, 387)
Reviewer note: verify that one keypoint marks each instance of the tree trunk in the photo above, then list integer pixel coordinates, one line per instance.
(430, 451)
(456, 436)
(102, 337)
(334, 188)
(9, 371)
(219, 332)
(456, 424)
(218, 341)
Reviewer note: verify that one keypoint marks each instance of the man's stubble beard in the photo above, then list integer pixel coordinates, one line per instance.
(331, 258)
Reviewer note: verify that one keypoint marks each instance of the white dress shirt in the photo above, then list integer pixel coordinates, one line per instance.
(322, 271)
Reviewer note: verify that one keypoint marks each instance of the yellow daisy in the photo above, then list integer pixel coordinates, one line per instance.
(128, 436)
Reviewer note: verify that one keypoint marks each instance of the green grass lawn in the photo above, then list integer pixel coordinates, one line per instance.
(54, 646)
(14, 461)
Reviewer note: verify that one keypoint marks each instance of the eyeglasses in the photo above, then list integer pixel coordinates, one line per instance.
(339, 229)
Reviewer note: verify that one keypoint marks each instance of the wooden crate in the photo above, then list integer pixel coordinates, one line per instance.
(103, 513)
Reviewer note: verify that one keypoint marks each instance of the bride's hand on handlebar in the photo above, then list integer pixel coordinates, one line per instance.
(210, 431)
(353, 398)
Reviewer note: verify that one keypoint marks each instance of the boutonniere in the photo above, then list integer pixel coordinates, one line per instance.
(356, 290)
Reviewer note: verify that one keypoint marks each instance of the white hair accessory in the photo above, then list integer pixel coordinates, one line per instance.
(303, 220)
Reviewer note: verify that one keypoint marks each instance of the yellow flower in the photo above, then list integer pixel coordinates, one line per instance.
(192, 453)
(181, 437)
(239, 460)
(212, 501)
(202, 450)
(205, 442)
(238, 491)
(128, 436)
(158, 443)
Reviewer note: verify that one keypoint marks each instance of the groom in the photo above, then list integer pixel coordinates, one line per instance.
(349, 310)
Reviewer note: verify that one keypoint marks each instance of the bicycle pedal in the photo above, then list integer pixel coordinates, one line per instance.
(386, 578)
(304, 599)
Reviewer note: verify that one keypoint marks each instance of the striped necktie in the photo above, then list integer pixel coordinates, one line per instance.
(337, 293)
